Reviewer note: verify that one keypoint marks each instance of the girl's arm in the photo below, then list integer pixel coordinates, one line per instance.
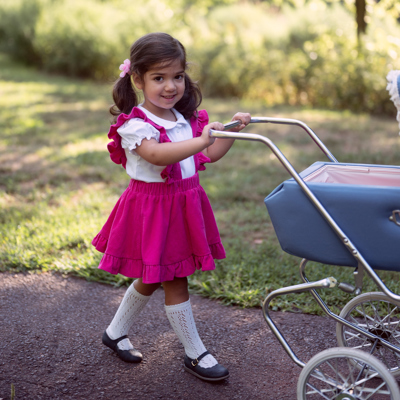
(169, 153)
(222, 146)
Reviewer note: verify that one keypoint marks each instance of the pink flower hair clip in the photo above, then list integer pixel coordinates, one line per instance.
(125, 68)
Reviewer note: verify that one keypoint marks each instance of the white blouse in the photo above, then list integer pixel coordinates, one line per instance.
(135, 130)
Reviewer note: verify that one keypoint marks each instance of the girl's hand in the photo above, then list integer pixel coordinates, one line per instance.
(244, 117)
(208, 140)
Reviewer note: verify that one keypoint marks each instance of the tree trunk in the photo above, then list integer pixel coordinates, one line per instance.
(360, 17)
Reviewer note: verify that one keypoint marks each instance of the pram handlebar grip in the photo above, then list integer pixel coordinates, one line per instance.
(232, 124)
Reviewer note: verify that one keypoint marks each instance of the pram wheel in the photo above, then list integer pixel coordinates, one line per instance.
(332, 374)
(378, 314)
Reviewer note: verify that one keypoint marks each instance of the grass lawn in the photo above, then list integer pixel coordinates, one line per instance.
(58, 185)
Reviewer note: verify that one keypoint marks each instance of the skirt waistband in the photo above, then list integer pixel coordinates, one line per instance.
(161, 188)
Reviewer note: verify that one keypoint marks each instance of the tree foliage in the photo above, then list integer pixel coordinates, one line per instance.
(362, 8)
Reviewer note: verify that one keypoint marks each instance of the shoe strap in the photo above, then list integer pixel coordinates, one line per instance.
(195, 361)
(116, 341)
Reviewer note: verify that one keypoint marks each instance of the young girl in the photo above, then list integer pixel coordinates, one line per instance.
(162, 228)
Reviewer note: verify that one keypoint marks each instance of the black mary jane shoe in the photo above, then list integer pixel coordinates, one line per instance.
(213, 374)
(130, 356)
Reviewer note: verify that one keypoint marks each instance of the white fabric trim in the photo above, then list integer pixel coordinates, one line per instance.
(164, 122)
(393, 88)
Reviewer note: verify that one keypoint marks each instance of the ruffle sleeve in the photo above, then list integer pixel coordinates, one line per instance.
(134, 131)
(202, 120)
(198, 123)
(203, 159)
(117, 152)
(393, 88)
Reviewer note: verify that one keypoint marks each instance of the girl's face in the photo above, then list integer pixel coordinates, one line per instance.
(163, 87)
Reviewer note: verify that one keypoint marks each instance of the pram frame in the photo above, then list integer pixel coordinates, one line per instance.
(362, 264)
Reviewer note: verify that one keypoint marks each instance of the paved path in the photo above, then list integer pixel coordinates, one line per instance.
(50, 347)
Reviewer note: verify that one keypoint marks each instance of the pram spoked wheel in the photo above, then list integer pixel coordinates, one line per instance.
(378, 314)
(332, 374)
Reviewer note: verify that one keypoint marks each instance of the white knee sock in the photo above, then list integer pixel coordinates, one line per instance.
(181, 319)
(131, 305)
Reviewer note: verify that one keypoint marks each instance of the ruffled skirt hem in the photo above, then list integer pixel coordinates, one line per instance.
(157, 273)
(160, 231)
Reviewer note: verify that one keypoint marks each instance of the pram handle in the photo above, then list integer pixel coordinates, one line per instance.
(314, 200)
(286, 121)
(232, 124)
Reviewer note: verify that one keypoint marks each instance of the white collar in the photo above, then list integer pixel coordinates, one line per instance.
(164, 122)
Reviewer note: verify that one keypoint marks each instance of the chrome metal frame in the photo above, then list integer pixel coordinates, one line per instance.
(324, 283)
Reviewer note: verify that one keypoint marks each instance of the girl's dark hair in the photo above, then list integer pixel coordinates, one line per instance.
(146, 52)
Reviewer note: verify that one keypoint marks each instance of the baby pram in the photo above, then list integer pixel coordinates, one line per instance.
(315, 214)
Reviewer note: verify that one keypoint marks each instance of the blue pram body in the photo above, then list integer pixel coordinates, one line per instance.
(362, 211)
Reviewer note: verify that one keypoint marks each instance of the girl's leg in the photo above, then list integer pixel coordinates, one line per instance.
(176, 291)
(133, 302)
(179, 312)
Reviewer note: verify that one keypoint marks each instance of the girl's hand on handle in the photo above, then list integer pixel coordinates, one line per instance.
(209, 140)
(244, 118)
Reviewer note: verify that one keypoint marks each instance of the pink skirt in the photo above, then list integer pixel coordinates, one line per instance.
(160, 231)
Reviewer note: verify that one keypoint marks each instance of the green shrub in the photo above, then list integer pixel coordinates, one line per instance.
(81, 44)
(91, 38)
(17, 28)
(307, 56)
(75, 38)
